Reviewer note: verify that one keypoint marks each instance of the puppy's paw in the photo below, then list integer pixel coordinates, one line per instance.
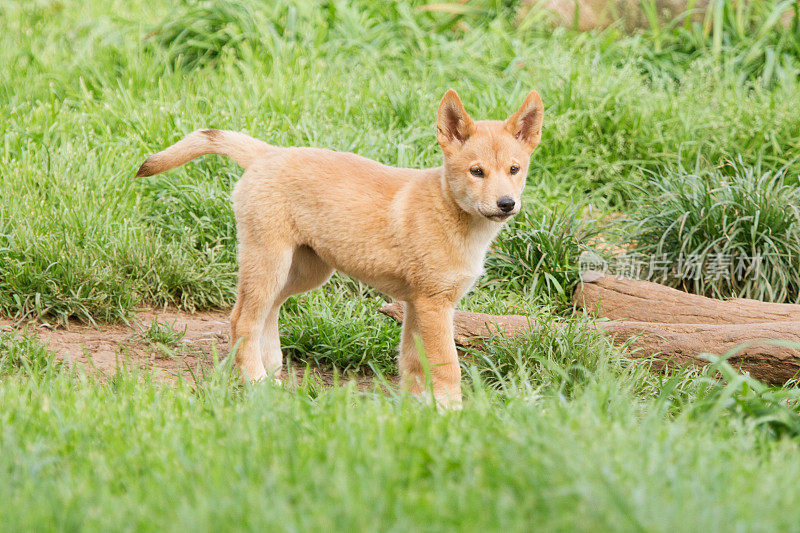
(267, 379)
(257, 378)
(443, 401)
(447, 402)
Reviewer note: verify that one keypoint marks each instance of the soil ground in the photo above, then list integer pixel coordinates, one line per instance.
(103, 349)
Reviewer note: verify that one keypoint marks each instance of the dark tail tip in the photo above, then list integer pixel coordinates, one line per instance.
(146, 169)
(212, 135)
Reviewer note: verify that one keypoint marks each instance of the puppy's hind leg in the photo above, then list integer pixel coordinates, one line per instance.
(271, 355)
(263, 271)
(308, 271)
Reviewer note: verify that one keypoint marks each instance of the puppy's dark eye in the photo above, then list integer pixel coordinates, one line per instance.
(476, 171)
(514, 169)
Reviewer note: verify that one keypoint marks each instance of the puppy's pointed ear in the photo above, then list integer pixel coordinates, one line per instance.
(453, 125)
(526, 123)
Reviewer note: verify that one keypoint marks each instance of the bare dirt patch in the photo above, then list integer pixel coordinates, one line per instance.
(107, 347)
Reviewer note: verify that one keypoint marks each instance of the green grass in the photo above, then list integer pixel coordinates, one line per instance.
(621, 449)
(755, 41)
(538, 254)
(96, 86)
(733, 231)
(560, 431)
(24, 354)
(336, 328)
(161, 333)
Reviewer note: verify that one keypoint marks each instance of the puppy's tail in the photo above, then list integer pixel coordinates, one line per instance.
(240, 147)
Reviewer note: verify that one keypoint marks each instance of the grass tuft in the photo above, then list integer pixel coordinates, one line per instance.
(161, 333)
(727, 392)
(758, 41)
(196, 34)
(538, 253)
(557, 358)
(331, 328)
(23, 354)
(733, 231)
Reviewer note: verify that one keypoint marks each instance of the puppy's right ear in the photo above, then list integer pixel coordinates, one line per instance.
(453, 125)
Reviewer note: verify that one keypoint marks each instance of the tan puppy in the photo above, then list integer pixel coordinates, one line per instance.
(419, 236)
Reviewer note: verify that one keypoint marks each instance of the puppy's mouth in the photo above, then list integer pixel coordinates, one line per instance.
(498, 217)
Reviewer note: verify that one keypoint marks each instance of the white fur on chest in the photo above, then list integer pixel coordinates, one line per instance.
(471, 253)
(476, 244)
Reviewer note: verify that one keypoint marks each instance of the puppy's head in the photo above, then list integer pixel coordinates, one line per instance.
(486, 162)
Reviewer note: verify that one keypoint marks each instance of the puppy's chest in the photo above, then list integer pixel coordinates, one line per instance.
(472, 251)
(466, 267)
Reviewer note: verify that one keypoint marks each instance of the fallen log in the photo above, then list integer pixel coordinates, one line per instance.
(619, 298)
(667, 344)
(753, 345)
(468, 327)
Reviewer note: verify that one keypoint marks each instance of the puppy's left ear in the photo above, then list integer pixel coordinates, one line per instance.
(526, 123)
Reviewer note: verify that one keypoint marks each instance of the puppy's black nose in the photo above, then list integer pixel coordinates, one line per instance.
(506, 204)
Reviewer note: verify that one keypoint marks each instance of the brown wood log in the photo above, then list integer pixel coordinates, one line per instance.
(666, 344)
(620, 298)
(470, 327)
(753, 345)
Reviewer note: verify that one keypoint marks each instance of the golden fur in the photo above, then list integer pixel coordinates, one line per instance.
(419, 236)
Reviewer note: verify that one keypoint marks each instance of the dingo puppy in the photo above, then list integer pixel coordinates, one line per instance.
(419, 236)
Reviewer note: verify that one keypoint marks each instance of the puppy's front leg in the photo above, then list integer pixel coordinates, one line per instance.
(431, 320)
